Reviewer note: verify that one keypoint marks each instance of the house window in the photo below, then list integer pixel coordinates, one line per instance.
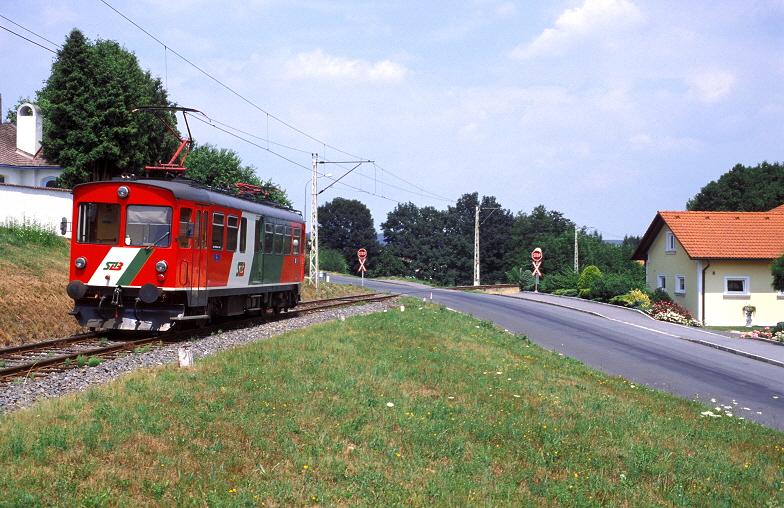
(669, 247)
(736, 285)
(2, 178)
(49, 181)
(680, 284)
(661, 282)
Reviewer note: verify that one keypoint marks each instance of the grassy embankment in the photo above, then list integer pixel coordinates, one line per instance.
(418, 408)
(33, 276)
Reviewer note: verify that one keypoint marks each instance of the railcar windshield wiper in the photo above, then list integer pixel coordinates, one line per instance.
(153, 244)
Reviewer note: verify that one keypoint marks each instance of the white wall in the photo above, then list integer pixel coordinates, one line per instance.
(47, 206)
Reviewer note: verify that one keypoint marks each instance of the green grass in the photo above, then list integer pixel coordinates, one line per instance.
(417, 408)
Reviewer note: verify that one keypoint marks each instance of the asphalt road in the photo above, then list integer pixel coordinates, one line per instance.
(643, 355)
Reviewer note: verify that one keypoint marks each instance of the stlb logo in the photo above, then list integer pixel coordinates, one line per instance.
(240, 269)
(114, 265)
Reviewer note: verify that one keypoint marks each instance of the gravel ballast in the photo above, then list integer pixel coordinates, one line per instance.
(14, 396)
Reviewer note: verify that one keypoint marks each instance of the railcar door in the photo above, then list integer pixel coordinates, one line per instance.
(199, 255)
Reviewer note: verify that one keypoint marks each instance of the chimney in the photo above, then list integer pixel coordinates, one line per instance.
(29, 128)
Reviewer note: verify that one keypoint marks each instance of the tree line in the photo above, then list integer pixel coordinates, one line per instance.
(437, 246)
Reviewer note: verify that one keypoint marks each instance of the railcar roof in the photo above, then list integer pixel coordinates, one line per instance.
(194, 191)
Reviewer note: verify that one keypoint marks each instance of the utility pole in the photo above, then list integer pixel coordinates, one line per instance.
(476, 248)
(576, 267)
(314, 243)
(476, 241)
(314, 260)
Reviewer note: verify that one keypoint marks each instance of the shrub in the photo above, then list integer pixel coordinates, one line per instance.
(566, 280)
(660, 295)
(635, 298)
(673, 313)
(331, 260)
(611, 285)
(523, 278)
(587, 278)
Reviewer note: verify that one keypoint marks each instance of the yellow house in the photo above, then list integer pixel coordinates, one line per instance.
(717, 263)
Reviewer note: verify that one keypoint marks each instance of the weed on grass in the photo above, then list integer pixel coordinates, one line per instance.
(418, 408)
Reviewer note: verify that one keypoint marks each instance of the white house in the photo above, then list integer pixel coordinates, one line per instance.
(27, 188)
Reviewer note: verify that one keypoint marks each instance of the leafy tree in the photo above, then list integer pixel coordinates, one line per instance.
(11, 116)
(222, 167)
(777, 270)
(86, 101)
(417, 237)
(743, 189)
(347, 226)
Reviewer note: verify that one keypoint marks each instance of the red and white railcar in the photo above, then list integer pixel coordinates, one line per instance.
(149, 253)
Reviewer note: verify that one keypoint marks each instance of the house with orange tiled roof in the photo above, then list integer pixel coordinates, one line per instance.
(716, 263)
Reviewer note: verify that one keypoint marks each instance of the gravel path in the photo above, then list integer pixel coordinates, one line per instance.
(24, 394)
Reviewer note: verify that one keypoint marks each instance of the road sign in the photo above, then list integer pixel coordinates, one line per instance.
(536, 255)
(536, 271)
(362, 253)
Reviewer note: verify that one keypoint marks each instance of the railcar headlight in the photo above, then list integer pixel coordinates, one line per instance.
(161, 266)
(123, 192)
(80, 263)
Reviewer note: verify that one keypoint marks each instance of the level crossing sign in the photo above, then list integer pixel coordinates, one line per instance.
(536, 260)
(362, 256)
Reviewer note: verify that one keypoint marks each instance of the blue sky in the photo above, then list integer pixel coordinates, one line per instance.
(604, 110)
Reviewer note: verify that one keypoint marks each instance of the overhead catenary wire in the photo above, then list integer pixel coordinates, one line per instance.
(269, 115)
(384, 183)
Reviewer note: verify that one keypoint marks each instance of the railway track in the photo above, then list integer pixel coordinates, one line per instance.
(42, 358)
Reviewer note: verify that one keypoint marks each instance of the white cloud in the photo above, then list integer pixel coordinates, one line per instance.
(317, 64)
(712, 85)
(594, 17)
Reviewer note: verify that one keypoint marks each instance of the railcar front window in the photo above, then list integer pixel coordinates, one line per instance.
(149, 226)
(98, 223)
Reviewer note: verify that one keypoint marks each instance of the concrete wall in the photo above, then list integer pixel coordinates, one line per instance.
(46, 206)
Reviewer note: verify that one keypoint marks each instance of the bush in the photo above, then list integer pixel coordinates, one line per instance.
(673, 313)
(660, 295)
(589, 276)
(611, 285)
(635, 298)
(331, 260)
(523, 278)
(560, 281)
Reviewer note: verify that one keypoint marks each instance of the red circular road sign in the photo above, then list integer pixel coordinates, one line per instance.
(536, 255)
(362, 253)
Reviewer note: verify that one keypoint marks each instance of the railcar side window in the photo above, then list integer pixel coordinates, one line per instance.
(186, 227)
(295, 243)
(279, 239)
(269, 235)
(287, 241)
(217, 231)
(243, 234)
(257, 241)
(232, 226)
(148, 225)
(98, 223)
